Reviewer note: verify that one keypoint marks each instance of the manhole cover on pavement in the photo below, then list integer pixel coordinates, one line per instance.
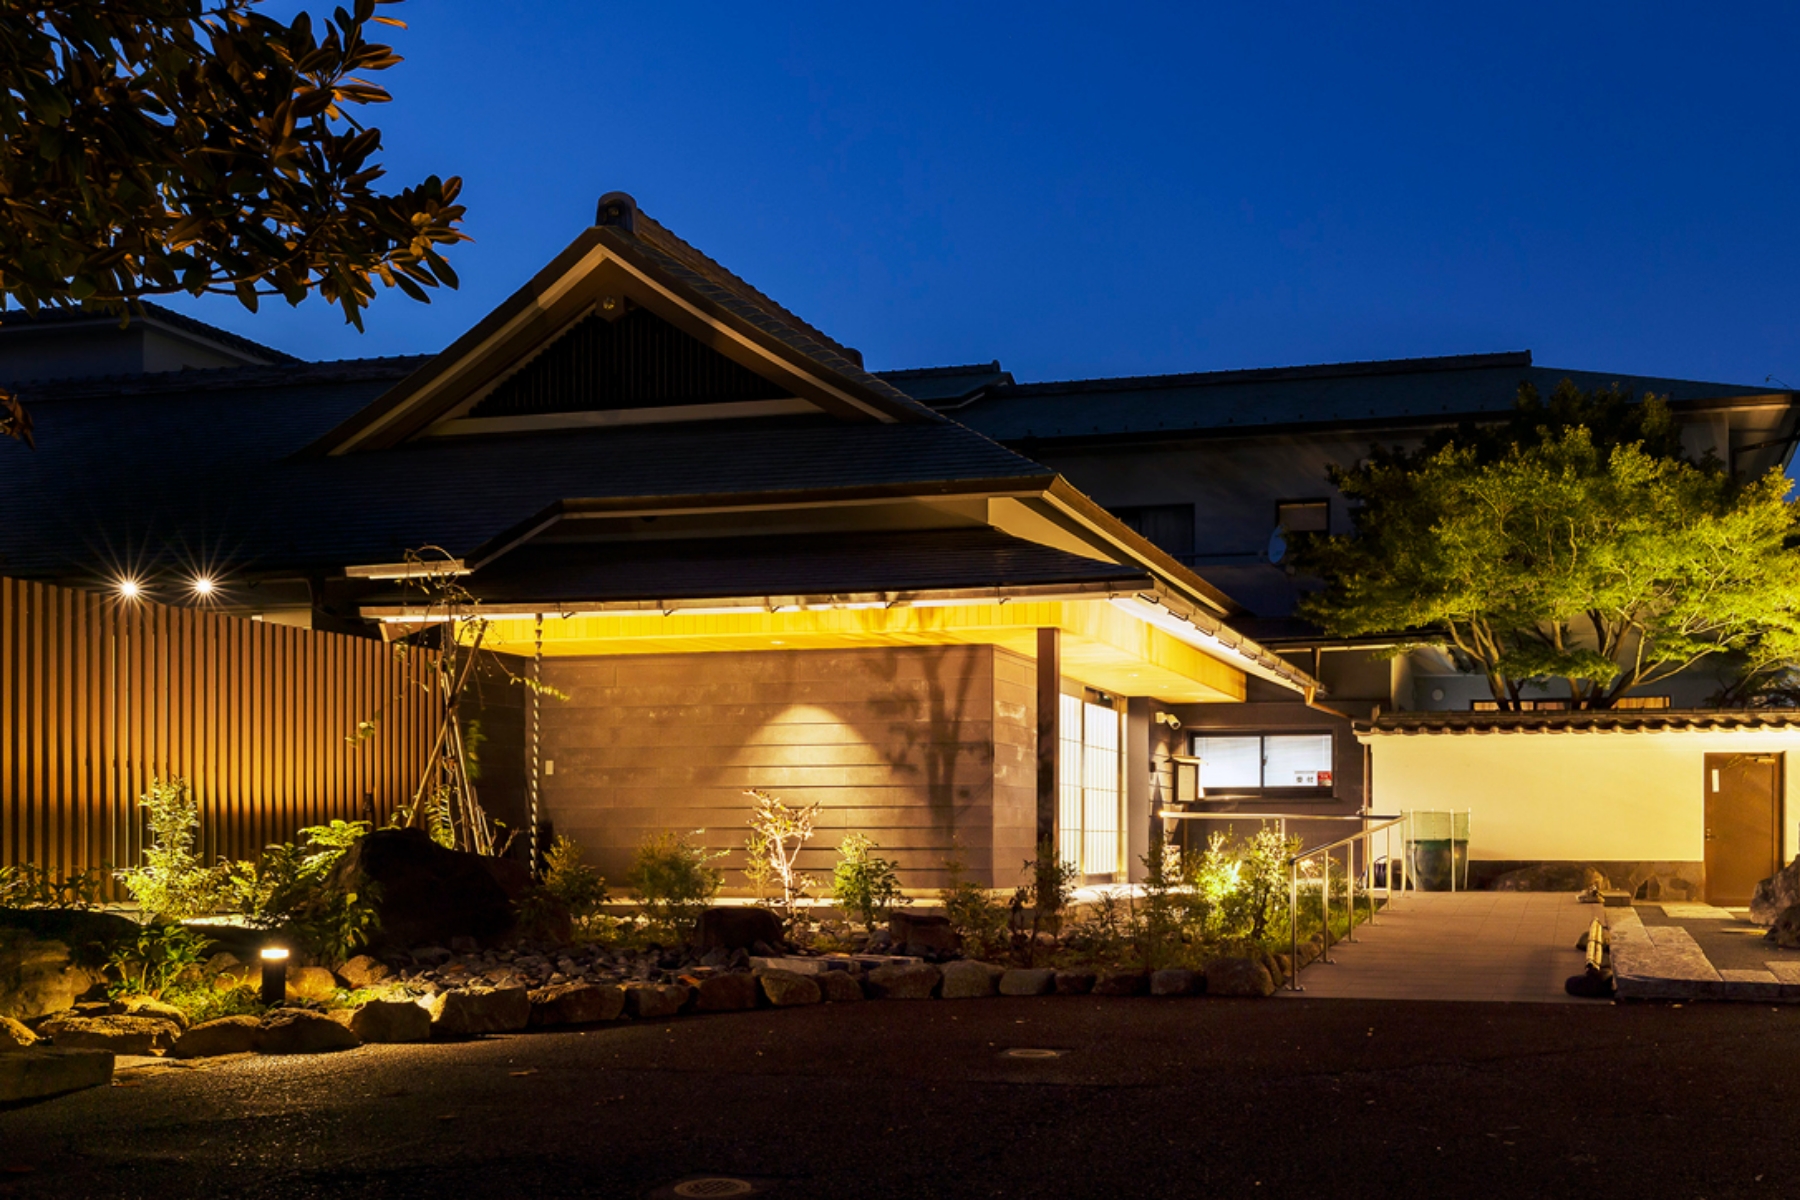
(1032, 1053)
(714, 1187)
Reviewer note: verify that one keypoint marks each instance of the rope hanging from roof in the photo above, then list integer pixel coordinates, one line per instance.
(537, 680)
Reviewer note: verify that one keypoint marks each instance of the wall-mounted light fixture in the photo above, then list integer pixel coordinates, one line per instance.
(204, 586)
(274, 974)
(1169, 719)
(129, 589)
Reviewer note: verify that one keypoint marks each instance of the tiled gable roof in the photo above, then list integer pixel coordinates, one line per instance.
(1349, 395)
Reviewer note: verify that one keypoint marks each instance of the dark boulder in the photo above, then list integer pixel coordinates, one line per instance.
(1552, 877)
(1775, 894)
(921, 934)
(427, 895)
(1786, 931)
(737, 928)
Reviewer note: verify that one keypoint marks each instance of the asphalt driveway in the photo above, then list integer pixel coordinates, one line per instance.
(1144, 1098)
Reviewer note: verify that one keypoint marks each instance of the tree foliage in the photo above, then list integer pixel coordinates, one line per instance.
(1573, 546)
(154, 147)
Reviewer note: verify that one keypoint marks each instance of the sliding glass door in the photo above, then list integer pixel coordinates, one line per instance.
(1090, 776)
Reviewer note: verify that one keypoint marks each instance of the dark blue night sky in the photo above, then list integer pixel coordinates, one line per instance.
(1083, 189)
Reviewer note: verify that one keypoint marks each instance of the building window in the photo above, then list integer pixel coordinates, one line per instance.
(1089, 781)
(1304, 516)
(1169, 527)
(1254, 764)
(1623, 702)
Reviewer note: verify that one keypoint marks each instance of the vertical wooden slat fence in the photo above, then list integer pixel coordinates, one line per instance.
(98, 696)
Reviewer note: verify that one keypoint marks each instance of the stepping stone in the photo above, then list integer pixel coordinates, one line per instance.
(1750, 985)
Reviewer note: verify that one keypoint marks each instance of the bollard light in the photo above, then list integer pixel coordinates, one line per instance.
(274, 974)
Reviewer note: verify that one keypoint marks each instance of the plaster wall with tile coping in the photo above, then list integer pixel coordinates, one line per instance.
(1574, 796)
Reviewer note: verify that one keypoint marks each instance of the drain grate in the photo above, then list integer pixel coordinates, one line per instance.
(1026, 1052)
(714, 1187)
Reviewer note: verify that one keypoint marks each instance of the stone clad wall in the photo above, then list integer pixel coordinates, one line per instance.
(924, 749)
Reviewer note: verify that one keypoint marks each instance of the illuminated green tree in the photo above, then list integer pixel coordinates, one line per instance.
(1574, 546)
(155, 147)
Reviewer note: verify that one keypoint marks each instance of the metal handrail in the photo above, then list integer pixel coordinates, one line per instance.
(1387, 881)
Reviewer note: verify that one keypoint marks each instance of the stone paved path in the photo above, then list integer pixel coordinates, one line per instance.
(1664, 961)
(1517, 946)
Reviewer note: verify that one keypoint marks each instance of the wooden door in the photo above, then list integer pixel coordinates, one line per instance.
(1743, 825)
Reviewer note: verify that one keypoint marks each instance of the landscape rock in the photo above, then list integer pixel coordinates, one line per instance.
(737, 928)
(733, 991)
(653, 1001)
(1122, 983)
(839, 986)
(787, 989)
(466, 1012)
(119, 1034)
(385, 1022)
(903, 981)
(970, 980)
(302, 1031)
(1776, 894)
(227, 1035)
(921, 933)
(1786, 931)
(36, 1072)
(39, 976)
(1274, 964)
(144, 1006)
(577, 1004)
(1238, 977)
(426, 894)
(1552, 877)
(1074, 983)
(363, 971)
(1028, 981)
(1177, 981)
(14, 1035)
(310, 983)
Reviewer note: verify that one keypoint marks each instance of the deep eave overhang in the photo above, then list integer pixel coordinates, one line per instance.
(602, 257)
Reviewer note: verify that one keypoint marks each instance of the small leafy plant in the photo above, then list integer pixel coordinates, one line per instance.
(779, 832)
(150, 965)
(864, 883)
(173, 883)
(674, 880)
(292, 890)
(975, 916)
(579, 887)
(30, 886)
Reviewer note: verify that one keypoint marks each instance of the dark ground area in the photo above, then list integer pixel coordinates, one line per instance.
(1320, 1098)
(1734, 945)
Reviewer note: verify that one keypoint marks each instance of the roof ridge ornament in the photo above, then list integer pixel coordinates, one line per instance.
(617, 209)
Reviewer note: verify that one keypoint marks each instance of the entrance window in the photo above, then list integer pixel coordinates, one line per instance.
(1254, 764)
(1089, 775)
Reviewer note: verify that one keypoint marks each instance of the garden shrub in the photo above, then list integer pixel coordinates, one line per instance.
(577, 886)
(161, 954)
(173, 883)
(976, 917)
(291, 890)
(674, 880)
(30, 886)
(863, 883)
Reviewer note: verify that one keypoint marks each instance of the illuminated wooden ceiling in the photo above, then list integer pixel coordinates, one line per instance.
(1102, 646)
